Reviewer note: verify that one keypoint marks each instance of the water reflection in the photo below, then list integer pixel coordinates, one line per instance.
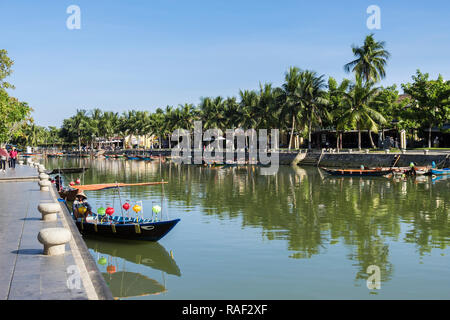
(121, 260)
(308, 209)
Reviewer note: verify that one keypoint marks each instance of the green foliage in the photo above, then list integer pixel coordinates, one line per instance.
(5, 69)
(13, 114)
(429, 104)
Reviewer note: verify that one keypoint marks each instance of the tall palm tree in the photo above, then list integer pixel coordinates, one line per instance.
(315, 100)
(358, 111)
(248, 109)
(304, 100)
(371, 59)
(292, 104)
(335, 98)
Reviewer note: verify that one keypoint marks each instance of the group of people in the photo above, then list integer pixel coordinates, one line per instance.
(10, 157)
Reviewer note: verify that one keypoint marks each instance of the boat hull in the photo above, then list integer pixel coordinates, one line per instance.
(440, 171)
(357, 173)
(151, 231)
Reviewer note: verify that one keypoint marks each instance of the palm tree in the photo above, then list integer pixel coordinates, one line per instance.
(304, 99)
(266, 110)
(335, 105)
(357, 106)
(291, 101)
(314, 96)
(248, 108)
(370, 60)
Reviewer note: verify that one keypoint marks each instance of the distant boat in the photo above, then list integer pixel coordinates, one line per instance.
(67, 170)
(440, 171)
(132, 157)
(144, 158)
(358, 172)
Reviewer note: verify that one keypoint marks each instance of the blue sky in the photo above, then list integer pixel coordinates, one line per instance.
(147, 54)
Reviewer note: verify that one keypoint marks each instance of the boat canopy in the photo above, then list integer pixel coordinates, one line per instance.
(93, 187)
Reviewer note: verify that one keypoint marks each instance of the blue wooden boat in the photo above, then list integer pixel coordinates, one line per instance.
(128, 228)
(144, 158)
(132, 157)
(440, 171)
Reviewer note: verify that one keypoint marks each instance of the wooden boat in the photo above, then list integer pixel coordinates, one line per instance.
(144, 158)
(145, 230)
(357, 172)
(130, 157)
(103, 186)
(68, 194)
(440, 171)
(67, 170)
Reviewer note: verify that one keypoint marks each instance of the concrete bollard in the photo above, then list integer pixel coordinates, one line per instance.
(386, 151)
(41, 170)
(21, 162)
(403, 151)
(45, 185)
(49, 211)
(54, 240)
(366, 151)
(43, 176)
(350, 150)
(426, 151)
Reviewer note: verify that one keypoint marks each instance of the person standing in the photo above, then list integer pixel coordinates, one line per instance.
(13, 157)
(3, 158)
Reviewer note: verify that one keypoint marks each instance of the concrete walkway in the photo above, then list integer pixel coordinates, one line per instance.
(26, 272)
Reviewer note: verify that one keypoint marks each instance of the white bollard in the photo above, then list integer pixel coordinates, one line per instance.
(43, 176)
(49, 211)
(54, 240)
(44, 185)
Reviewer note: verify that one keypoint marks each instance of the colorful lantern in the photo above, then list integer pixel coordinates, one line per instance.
(78, 181)
(111, 269)
(102, 261)
(82, 210)
(126, 206)
(156, 209)
(137, 208)
(101, 211)
(109, 211)
(71, 183)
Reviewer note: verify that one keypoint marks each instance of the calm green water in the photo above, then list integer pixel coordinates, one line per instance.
(300, 234)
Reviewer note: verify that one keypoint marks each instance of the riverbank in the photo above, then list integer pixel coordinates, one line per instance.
(27, 274)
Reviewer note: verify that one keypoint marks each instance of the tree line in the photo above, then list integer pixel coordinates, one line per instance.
(305, 102)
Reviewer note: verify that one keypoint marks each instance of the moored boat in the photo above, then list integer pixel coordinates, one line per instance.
(440, 171)
(358, 172)
(142, 229)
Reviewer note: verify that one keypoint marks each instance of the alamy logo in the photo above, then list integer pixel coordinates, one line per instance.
(74, 20)
(260, 147)
(374, 20)
(73, 279)
(374, 280)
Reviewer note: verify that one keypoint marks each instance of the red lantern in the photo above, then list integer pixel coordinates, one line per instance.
(71, 183)
(126, 206)
(109, 211)
(78, 181)
(111, 269)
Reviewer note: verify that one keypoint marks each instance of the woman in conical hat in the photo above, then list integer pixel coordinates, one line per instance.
(81, 208)
(81, 195)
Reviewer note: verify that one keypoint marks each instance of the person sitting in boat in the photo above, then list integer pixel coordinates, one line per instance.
(81, 207)
(58, 183)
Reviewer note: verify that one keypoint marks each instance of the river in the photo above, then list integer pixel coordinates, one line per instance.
(299, 234)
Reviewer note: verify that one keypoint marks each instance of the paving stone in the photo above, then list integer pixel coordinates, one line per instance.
(25, 272)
